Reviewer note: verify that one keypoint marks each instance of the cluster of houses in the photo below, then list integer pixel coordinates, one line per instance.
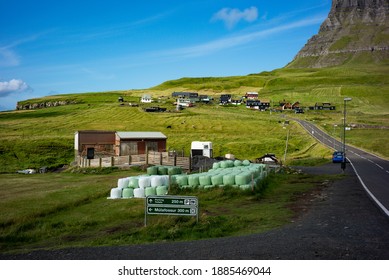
(251, 100)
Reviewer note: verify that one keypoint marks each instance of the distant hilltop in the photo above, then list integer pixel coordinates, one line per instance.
(355, 32)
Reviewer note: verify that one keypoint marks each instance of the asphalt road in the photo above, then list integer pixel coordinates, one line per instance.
(371, 170)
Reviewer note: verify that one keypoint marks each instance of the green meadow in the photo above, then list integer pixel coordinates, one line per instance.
(71, 209)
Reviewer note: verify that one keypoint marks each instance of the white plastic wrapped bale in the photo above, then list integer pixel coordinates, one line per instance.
(123, 183)
(139, 192)
(162, 190)
(128, 193)
(144, 181)
(116, 193)
(156, 181)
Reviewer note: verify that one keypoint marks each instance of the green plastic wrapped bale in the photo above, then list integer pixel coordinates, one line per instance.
(246, 162)
(228, 180)
(150, 191)
(128, 193)
(237, 162)
(182, 180)
(162, 170)
(193, 180)
(224, 164)
(217, 180)
(174, 170)
(133, 182)
(152, 170)
(205, 180)
(242, 178)
(161, 190)
(215, 165)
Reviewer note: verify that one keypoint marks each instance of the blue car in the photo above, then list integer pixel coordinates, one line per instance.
(337, 157)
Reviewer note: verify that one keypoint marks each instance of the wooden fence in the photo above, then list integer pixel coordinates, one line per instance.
(153, 158)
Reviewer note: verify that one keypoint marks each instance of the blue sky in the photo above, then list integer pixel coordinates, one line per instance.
(54, 47)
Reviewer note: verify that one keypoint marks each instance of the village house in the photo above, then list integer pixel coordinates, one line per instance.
(99, 143)
(225, 99)
(322, 106)
(146, 98)
(251, 95)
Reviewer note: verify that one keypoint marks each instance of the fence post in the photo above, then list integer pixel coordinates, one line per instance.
(112, 161)
(147, 156)
(129, 159)
(160, 159)
(175, 160)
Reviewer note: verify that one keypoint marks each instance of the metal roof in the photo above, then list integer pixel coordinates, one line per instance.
(140, 135)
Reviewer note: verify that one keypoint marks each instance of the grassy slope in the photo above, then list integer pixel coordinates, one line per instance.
(44, 137)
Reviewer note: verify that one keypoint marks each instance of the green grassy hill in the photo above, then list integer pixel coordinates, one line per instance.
(44, 137)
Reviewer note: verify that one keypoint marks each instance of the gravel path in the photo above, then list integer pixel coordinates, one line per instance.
(339, 222)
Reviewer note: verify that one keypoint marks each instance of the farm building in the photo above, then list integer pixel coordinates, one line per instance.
(225, 99)
(133, 143)
(98, 143)
(258, 104)
(322, 106)
(186, 95)
(146, 98)
(251, 95)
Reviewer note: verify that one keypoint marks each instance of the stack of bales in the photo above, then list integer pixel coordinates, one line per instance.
(236, 173)
(140, 186)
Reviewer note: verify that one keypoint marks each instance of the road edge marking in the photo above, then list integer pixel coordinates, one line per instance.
(380, 205)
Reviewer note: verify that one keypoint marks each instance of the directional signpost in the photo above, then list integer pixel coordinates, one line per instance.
(171, 205)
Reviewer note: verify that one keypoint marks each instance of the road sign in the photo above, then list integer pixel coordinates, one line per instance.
(164, 210)
(171, 205)
(172, 200)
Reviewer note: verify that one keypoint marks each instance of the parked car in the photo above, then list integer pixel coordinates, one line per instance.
(337, 157)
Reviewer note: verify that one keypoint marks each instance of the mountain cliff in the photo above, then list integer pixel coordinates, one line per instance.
(355, 31)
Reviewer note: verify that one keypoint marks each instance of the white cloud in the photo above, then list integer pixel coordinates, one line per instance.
(238, 39)
(231, 17)
(8, 58)
(13, 86)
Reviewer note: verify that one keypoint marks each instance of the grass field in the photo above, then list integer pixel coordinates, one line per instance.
(71, 209)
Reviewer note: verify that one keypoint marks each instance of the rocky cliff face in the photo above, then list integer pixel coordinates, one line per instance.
(355, 30)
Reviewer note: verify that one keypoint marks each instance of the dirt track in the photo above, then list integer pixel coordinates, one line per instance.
(339, 222)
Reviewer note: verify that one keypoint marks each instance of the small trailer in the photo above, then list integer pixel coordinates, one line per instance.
(199, 148)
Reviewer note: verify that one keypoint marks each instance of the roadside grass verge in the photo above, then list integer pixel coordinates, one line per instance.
(47, 211)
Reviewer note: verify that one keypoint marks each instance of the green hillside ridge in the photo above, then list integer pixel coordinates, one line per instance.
(44, 137)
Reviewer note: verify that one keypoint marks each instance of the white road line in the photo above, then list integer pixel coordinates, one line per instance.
(383, 208)
(379, 166)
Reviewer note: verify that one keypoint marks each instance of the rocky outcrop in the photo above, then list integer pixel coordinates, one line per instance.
(354, 30)
(39, 105)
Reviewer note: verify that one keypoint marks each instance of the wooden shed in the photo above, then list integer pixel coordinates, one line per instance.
(94, 143)
(134, 143)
